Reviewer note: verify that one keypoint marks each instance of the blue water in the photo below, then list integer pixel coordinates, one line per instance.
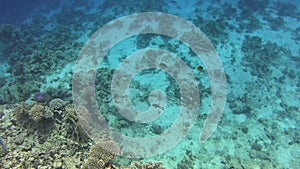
(258, 46)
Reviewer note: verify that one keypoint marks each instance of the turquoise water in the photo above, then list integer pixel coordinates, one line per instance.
(47, 106)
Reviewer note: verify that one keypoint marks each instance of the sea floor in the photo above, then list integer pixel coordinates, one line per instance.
(258, 43)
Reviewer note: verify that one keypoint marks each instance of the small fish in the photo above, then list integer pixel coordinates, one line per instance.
(3, 144)
(200, 68)
(162, 65)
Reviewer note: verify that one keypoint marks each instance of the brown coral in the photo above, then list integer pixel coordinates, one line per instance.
(99, 157)
(37, 112)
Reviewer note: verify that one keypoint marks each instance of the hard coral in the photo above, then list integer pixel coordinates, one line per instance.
(57, 104)
(38, 112)
(99, 157)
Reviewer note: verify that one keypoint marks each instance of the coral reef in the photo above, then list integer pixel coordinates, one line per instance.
(28, 64)
(149, 165)
(261, 56)
(38, 112)
(99, 157)
(36, 144)
(258, 43)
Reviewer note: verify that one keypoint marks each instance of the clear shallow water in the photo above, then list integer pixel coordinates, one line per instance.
(257, 43)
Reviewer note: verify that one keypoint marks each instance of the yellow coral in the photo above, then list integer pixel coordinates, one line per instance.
(37, 112)
(99, 157)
